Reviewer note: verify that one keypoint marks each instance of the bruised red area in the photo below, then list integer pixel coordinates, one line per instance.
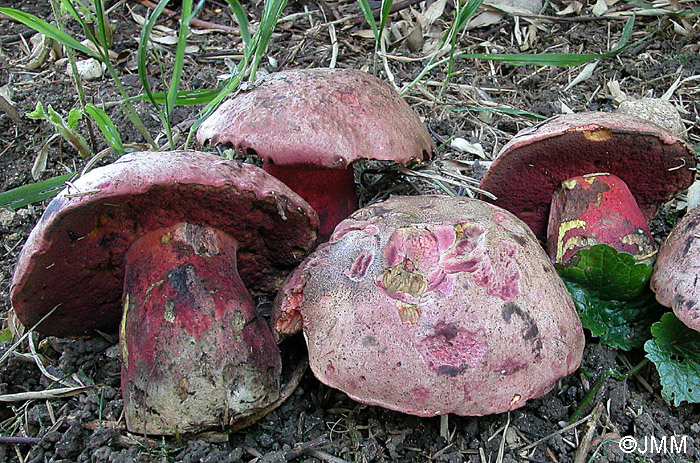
(450, 350)
(330, 192)
(596, 209)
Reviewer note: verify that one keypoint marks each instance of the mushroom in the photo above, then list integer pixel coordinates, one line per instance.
(675, 276)
(309, 125)
(604, 175)
(169, 233)
(431, 305)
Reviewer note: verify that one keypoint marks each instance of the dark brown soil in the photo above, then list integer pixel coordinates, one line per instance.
(317, 423)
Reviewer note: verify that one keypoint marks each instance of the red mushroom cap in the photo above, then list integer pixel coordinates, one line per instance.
(73, 259)
(654, 164)
(323, 117)
(675, 277)
(431, 305)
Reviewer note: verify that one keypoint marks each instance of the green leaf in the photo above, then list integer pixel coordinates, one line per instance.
(48, 30)
(612, 293)
(106, 126)
(675, 350)
(38, 112)
(6, 335)
(74, 117)
(620, 324)
(606, 273)
(33, 192)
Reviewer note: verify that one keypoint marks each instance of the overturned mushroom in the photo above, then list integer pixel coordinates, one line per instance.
(590, 178)
(432, 305)
(169, 233)
(677, 270)
(309, 125)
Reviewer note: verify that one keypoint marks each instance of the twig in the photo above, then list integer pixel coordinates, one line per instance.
(304, 447)
(9, 440)
(550, 435)
(587, 440)
(195, 22)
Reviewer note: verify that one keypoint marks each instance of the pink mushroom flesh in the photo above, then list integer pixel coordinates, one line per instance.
(330, 192)
(431, 305)
(594, 209)
(195, 354)
(676, 276)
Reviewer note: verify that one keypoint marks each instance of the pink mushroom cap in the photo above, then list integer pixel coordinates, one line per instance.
(323, 117)
(654, 164)
(676, 275)
(73, 259)
(431, 305)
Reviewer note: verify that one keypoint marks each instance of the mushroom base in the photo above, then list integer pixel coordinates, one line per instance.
(596, 209)
(195, 354)
(330, 192)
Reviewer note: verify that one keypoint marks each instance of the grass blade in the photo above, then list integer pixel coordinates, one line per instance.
(242, 20)
(33, 192)
(369, 17)
(386, 10)
(106, 126)
(48, 30)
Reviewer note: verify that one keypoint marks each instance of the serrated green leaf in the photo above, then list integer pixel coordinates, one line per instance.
(608, 274)
(675, 350)
(620, 324)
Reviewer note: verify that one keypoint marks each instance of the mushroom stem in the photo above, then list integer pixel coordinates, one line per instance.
(330, 192)
(593, 209)
(194, 351)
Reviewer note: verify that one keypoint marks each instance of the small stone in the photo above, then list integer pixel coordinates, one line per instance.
(6, 217)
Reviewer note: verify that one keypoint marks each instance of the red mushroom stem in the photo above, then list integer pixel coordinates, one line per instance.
(593, 209)
(330, 192)
(190, 335)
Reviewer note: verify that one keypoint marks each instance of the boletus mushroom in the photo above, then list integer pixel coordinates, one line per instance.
(309, 125)
(175, 238)
(677, 270)
(591, 178)
(432, 305)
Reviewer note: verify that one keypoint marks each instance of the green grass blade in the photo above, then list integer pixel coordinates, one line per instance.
(33, 192)
(102, 27)
(70, 7)
(386, 11)
(106, 126)
(626, 34)
(369, 17)
(184, 97)
(48, 30)
(268, 21)
(142, 51)
(242, 20)
(539, 59)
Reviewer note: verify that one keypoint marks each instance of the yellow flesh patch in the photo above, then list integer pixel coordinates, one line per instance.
(563, 228)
